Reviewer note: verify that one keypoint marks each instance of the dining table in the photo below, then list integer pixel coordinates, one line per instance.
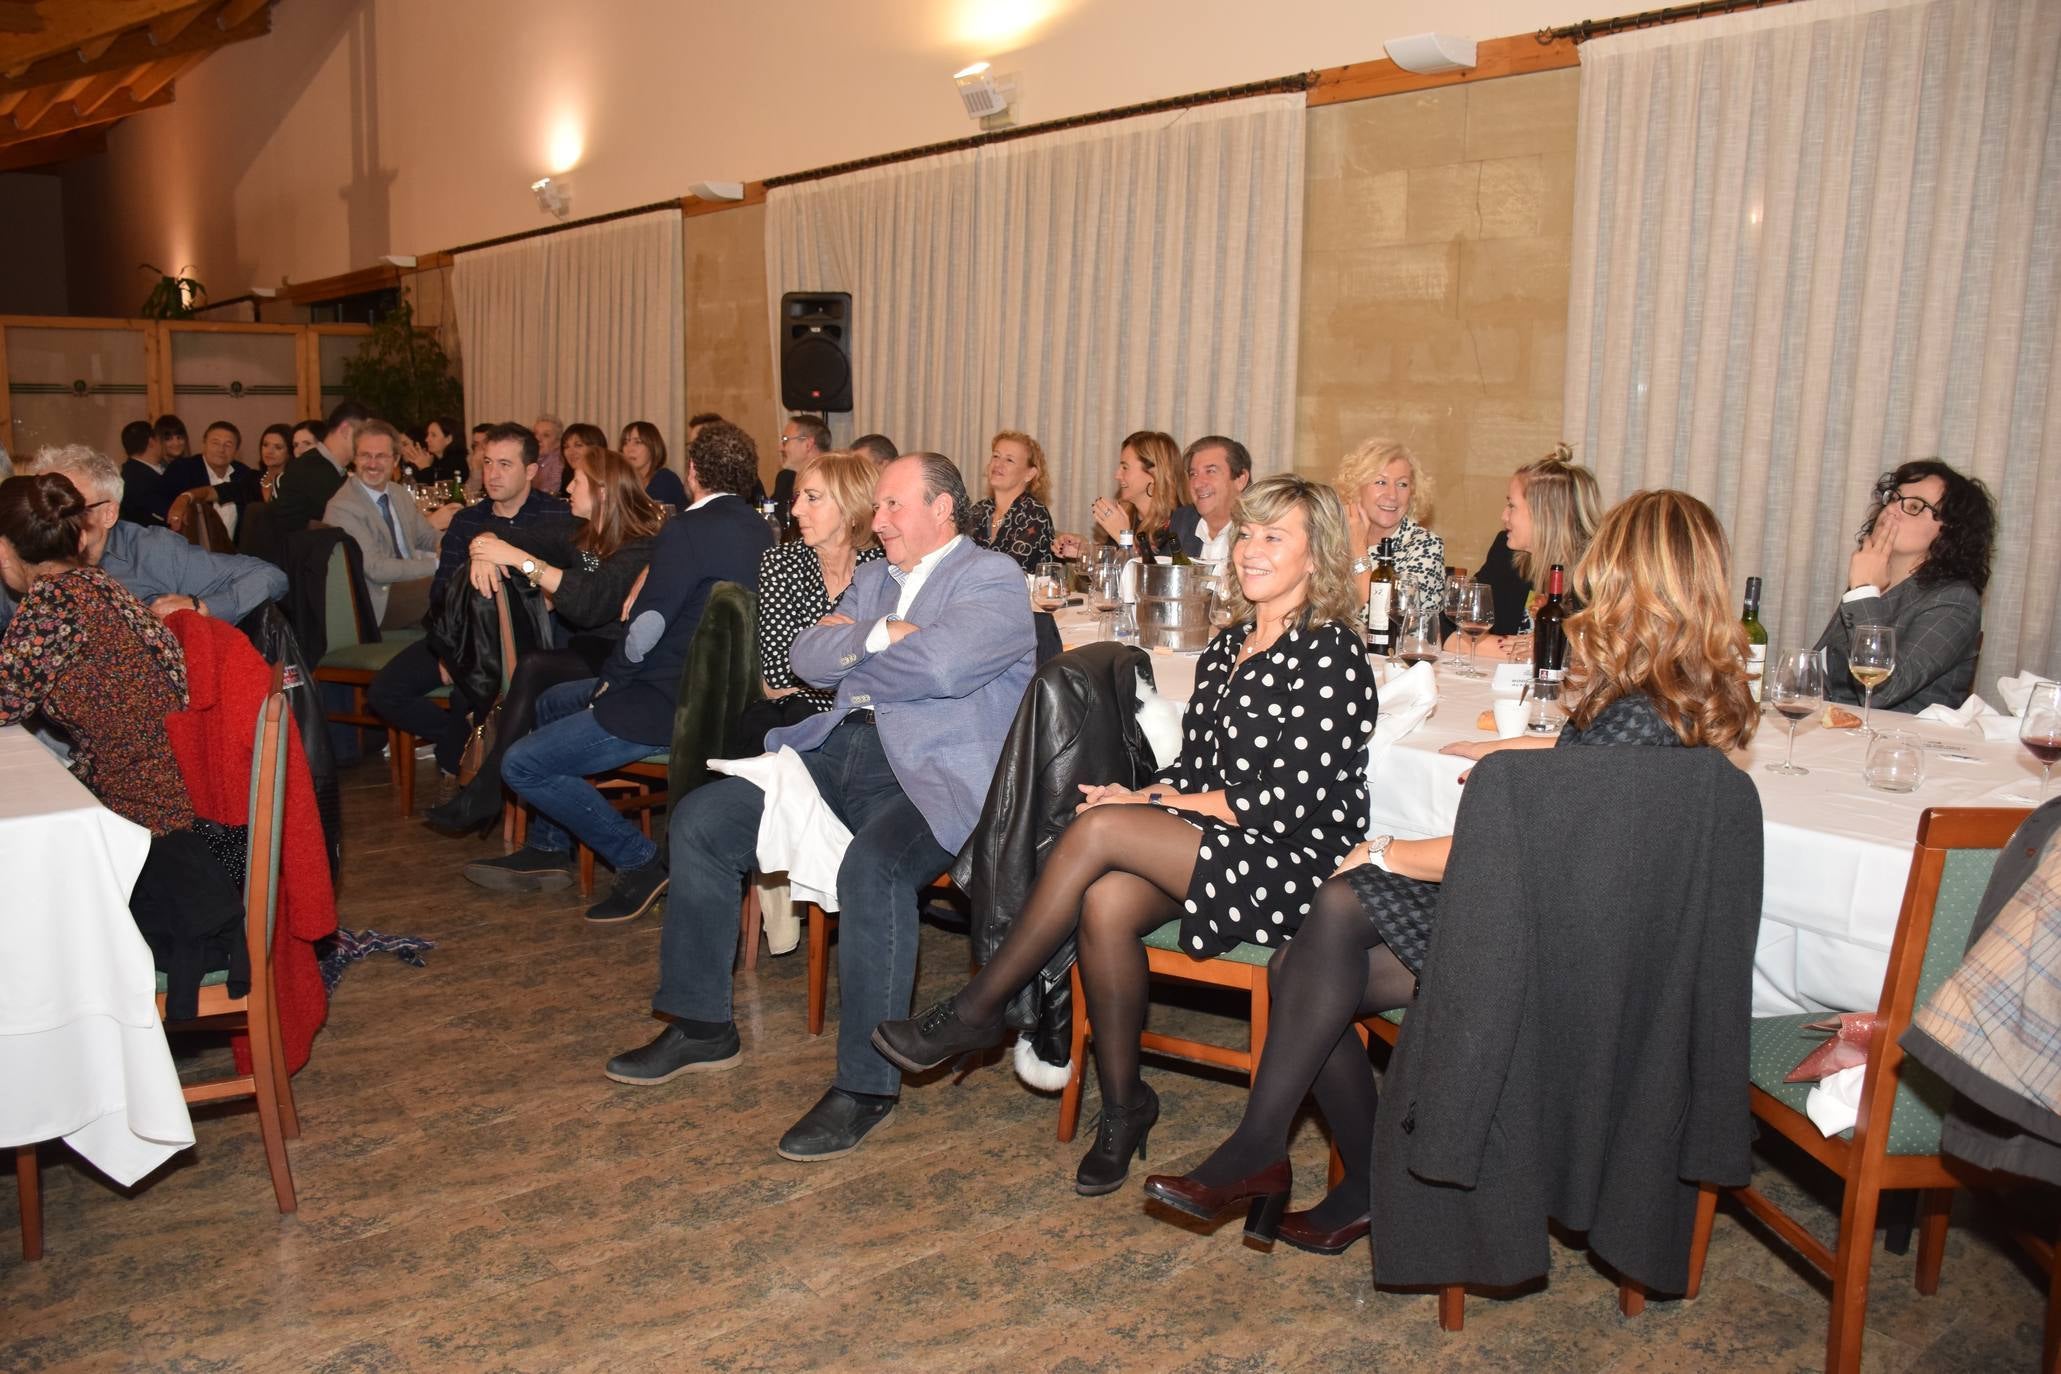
(83, 1054)
(1836, 854)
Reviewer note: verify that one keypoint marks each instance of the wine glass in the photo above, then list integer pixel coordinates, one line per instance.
(1795, 688)
(1476, 611)
(1048, 586)
(1417, 637)
(2039, 730)
(1871, 658)
(1106, 587)
(1220, 600)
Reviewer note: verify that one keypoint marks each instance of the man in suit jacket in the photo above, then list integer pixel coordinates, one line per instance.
(396, 543)
(311, 478)
(212, 477)
(626, 714)
(930, 652)
(144, 494)
(1219, 469)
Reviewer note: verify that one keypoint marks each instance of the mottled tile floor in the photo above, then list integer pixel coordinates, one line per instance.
(475, 1195)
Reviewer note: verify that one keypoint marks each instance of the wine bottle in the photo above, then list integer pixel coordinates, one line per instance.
(1380, 598)
(1181, 558)
(1549, 632)
(1756, 637)
(457, 491)
(769, 511)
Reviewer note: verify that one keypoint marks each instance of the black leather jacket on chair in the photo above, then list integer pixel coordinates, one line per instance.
(1078, 723)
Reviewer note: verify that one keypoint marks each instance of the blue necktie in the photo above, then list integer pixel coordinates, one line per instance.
(386, 513)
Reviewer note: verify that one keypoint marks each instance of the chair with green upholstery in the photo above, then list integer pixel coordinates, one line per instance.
(352, 660)
(1895, 1142)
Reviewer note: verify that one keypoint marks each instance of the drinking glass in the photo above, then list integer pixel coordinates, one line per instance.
(1220, 600)
(1871, 658)
(1476, 605)
(1895, 763)
(1417, 637)
(2039, 730)
(1106, 587)
(1795, 687)
(1048, 586)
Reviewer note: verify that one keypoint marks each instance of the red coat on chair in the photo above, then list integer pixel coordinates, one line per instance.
(227, 683)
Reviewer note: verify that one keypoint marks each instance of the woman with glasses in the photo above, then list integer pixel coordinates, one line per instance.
(1919, 566)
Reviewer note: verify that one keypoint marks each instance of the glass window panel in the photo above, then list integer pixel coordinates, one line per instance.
(74, 386)
(246, 379)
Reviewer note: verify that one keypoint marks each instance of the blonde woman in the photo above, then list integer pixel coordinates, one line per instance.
(1232, 841)
(1656, 664)
(1386, 489)
(1150, 486)
(1013, 516)
(1550, 511)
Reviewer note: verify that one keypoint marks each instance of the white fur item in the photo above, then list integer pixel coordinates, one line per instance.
(1160, 719)
(1035, 1072)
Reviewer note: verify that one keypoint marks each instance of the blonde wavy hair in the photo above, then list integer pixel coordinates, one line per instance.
(1036, 489)
(1370, 459)
(1330, 596)
(1565, 505)
(1162, 458)
(848, 480)
(1657, 621)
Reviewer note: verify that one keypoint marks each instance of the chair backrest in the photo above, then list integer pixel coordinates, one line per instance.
(721, 679)
(1950, 867)
(267, 829)
(340, 609)
(505, 619)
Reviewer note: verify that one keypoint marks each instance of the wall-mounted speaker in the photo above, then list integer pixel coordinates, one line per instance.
(815, 350)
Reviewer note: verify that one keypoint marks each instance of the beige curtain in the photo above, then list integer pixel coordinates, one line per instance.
(1078, 285)
(1810, 243)
(588, 324)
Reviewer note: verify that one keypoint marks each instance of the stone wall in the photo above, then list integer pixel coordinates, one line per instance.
(1434, 286)
(729, 349)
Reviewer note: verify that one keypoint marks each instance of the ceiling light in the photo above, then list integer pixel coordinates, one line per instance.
(987, 96)
(1428, 54)
(554, 197)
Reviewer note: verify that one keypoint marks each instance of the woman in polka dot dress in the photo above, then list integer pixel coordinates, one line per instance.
(1233, 840)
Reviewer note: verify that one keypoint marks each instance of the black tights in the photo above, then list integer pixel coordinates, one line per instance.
(1335, 971)
(1116, 875)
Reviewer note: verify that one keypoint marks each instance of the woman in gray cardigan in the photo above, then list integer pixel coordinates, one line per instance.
(1920, 565)
(1656, 664)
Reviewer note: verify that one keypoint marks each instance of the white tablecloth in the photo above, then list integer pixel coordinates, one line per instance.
(1837, 851)
(82, 1052)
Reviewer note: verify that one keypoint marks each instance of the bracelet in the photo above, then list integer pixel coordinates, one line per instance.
(1153, 798)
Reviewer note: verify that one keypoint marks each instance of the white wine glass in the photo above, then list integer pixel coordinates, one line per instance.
(2039, 730)
(1871, 658)
(1795, 688)
(1220, 600)
(1477, 612)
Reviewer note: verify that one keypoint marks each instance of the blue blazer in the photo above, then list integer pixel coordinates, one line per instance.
(942, 698)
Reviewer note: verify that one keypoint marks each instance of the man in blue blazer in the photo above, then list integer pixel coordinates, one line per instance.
(930, 651)
(595, 724)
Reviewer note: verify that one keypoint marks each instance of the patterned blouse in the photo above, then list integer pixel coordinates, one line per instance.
(1026, 533)
(791, 598)
(89, 657)
(1420, 560)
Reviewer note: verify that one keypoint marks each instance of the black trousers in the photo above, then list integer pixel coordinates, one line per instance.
(400, 697)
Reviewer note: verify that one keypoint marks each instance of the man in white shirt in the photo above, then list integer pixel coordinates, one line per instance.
(1219, 469)
(396, 542)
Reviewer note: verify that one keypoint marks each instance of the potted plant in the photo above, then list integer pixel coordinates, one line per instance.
(402, 374)
(173, 297)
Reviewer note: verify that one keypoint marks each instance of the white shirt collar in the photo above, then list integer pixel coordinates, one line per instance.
(697, 505)
(923, 565)
(370, 494)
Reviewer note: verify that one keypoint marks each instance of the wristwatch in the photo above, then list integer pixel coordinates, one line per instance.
(529, 569)
(1376, 847)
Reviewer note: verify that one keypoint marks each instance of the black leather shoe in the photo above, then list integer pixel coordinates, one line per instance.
(833, 1127)
(632, 895)
(473, 811)
(526, 870)
(1119, 1134)
(931, 1038)
(673, 1053)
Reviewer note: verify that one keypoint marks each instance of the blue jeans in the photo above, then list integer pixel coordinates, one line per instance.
(893, 857)
(549, 768)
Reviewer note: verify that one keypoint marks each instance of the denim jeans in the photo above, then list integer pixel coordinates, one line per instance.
(892, 858)
(549, 768)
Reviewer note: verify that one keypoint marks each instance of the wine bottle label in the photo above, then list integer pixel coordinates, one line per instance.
(1377, 608)
(1756, 664)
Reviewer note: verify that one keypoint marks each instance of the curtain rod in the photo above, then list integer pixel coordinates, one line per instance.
(1300, 81)
(561, 228)
(1597, 28)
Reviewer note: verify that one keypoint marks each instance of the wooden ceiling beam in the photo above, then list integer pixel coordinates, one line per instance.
(126, 51)
(237, 11)
(168, 27)
(100, 89)
(64, 118)
(68, 25)
(93, 50)
(19, 16)
(159, 75)
(34, 105)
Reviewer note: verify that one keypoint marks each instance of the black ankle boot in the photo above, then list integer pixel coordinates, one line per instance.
(1120, 1133)
(472, 812)
(927, 1040)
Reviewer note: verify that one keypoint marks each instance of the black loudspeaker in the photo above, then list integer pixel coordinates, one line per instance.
(815, 350)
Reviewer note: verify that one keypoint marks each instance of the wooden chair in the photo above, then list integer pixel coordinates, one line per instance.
(816, 940)
(352, 661)
(1895, 1143)
(1244, 967)
(256, 1013)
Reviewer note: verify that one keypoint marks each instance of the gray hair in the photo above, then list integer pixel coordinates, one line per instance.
(81, 463)
(941, 477)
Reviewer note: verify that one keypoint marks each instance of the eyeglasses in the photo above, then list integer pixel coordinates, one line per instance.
(787, 439)
(1910, 505)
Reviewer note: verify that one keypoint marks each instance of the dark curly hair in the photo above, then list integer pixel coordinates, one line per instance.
(722, 457)
(43, 517)
(1967, 523)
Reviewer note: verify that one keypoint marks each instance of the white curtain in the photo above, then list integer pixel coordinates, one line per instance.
(1813, 242)
(588, 324)
(1078, 285)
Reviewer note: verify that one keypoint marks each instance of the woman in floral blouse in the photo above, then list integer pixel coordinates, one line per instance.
(1385, 489)
(1013, 518)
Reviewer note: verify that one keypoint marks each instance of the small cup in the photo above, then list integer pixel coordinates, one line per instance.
(1542, 708)
(1895, 762)
(1510, 718)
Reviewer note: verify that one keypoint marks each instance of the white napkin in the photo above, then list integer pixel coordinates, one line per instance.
(1407, 698)
(1967, 715)
(2015, 692)
(1835, 1103)
(1160, 719)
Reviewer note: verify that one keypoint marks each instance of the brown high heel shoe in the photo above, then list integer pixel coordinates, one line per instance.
(1297, 1231)
(1266, 1191)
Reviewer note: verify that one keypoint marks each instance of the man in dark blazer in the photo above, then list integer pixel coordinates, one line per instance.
(212, 477)
(593, 725)
(313, 477)
(144, 491)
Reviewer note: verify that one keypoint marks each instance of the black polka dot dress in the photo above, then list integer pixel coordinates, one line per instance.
(1285, 738)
